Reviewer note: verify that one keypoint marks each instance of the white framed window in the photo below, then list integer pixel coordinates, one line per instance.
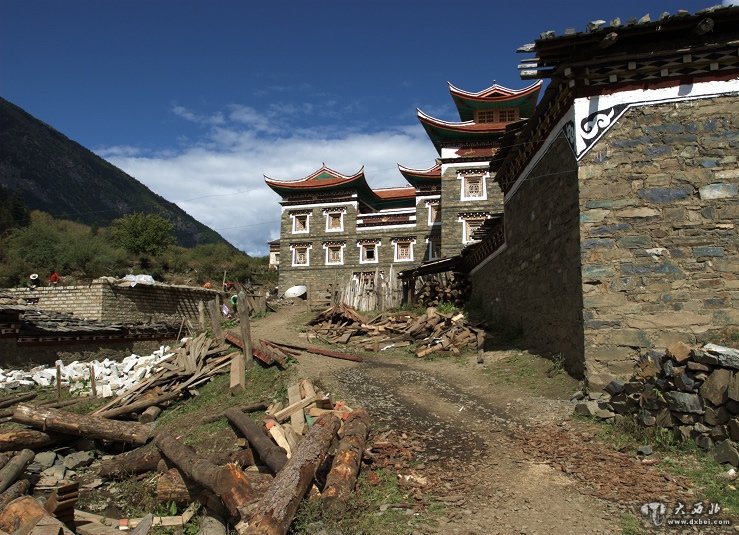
(473, 187)
(300, 255)
(433, 247)
(334, 253)
(369, 252)
(469, 226)
(334, 221)
(300, 223)
(403, 249)
(434, 213)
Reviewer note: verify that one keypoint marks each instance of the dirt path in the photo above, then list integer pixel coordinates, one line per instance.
(499, 457)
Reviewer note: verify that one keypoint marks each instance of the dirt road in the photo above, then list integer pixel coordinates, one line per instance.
(505, 460)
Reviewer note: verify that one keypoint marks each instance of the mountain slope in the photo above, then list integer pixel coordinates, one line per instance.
(59, 176)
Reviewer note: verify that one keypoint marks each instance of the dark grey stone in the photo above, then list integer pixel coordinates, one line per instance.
(704, 358)
(734, 428)
(685, 432)
(709, 251)
(665, 195)
(633, 387)
(726, 356)
(647, 419)
(684, 382)
(716, 415)
(719, 432)
(645, 450)
(698, 367)
(615, 387)
(716, 388)
(45, 459)
(635, 242)
(597, 243)
(78, 459)
(725, 452)
(587, 408)
(609, 230)
(684, 402)
(704, 442)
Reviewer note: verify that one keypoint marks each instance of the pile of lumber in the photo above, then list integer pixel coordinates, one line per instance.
(431, 332)
(454, 289)
(195, 363)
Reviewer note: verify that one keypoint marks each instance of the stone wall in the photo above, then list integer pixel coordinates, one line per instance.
(658, 196)
(533, 285)
(107, 302)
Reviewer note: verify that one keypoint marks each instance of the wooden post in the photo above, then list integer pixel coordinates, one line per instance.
(308, 298)
(59, 381)
(245, 328)
(93, 388)
(201, 315)
(215, 319)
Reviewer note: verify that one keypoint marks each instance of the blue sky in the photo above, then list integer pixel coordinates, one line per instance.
(198, 100)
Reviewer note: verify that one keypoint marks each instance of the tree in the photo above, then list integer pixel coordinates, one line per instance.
(142, 234)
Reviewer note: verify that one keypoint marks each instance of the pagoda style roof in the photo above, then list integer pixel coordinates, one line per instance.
(432, 175)
(442, 132)
(495, 97)
(326, 179)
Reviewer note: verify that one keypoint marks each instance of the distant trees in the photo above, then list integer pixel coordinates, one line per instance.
(142, 234)
(13, 211)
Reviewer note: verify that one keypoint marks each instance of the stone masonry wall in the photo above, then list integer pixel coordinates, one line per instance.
(106, 302)
(534, 284)
(660, 262)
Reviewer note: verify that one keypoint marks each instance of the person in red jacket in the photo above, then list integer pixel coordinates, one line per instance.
(53, 278)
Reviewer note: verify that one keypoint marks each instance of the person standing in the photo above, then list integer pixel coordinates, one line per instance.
(53, 277)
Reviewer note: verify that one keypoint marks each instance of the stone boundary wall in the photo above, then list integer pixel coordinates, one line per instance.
(107, 302)
(659, 208)
(532, 287)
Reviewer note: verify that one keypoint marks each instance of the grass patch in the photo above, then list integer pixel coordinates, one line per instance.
(379, 508)
(630, 525)
(536, 374)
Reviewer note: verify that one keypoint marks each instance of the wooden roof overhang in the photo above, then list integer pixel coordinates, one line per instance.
(422, 177)
(495, 96)
(449, 133)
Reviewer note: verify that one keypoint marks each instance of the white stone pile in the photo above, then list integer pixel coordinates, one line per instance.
(111, 377)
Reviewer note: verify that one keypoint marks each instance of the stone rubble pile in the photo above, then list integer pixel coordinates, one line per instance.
(693, 392)
(111, 377)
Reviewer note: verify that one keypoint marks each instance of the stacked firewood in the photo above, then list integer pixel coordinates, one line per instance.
(434, 291)
(431, 332)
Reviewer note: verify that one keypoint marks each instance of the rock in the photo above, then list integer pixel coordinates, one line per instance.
(698, 367)
(719, 432)
(684, 402)
(725, 452)
(647, 419)
(733, 391)
(726, 356)
(700, 428)
(587, 408)
(687, 419)
(645, 450)
(732, 406)
(78, 459)
(604, 414)
(664, 418)
(633, 387)
(734, 428)
(615, 387)
(668, 368)
(679, 351)
(685, 432)
(684, 382)
(577, 396)
(34, 468)
(704, 442)
(716, 388)
(704, 358)
(716, 415)
(45, 459)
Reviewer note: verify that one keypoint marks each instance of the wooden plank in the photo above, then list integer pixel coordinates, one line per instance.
(245, 329)
(285, 413)
(297, 419)
(215, 319)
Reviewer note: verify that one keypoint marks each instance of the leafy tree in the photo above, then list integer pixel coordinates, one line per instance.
(142, 234)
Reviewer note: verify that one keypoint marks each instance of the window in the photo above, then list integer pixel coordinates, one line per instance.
(403, 251)
(470, 226)
(334, 254)
(334, 221)
(301, 255)
(434, 214)
(503, 115)
(368, 253)
(473, 188)
(300, 223)
(434, 248)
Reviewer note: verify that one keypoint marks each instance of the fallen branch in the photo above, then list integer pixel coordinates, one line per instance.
(321, 351)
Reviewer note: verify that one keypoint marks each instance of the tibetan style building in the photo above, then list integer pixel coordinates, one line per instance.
(335, 227)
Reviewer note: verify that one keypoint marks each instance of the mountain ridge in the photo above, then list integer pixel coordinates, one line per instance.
(59, 176)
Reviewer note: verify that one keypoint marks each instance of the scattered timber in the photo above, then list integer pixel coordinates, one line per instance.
(81, 425)
(272, 455)
(342, 477)
(14, 491)
(10, 473)
(16, 439)
(277, 507)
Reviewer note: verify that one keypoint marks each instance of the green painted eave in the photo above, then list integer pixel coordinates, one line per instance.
(468, 106)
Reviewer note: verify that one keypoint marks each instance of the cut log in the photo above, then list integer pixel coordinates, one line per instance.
(172, 487)
(275, 511)
(16, 490)
(139, 405)
(150, 414)
(16, 439)
(321, 351)
(251, 407)
(81, 425)
(7, 402)
(230, 483)
(138, 461)
(344, 470)
(273, 456)
(24, 514)
(10, 473)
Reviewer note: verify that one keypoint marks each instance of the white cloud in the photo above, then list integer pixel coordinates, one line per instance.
(218, 180)
(188, 115)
